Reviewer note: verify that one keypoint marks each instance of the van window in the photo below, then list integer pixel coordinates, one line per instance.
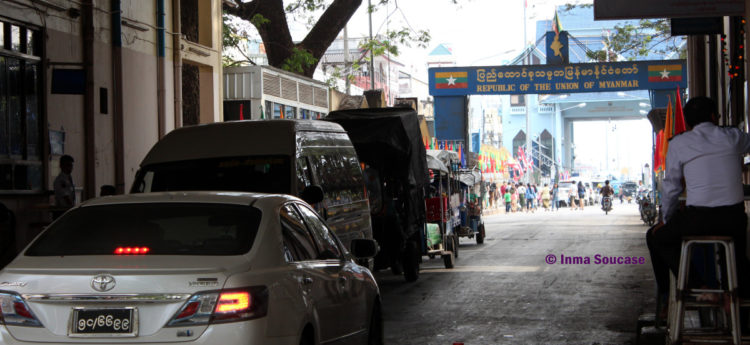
(338, 174)
(263, 174)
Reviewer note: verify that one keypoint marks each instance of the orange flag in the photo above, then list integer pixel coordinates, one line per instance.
(668, 133)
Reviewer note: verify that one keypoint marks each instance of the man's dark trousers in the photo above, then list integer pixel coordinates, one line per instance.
(665, 244)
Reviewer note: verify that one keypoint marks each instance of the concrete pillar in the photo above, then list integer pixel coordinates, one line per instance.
(697, 66)
(567, 144)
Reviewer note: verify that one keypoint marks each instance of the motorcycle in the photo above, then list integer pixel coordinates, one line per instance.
(607, 204)
(648, 209)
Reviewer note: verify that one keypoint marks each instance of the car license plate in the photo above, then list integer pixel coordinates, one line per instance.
(112, 322)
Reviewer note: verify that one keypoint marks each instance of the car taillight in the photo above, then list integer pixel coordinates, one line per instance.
(222, 306)
(14, 311)
(131, 250)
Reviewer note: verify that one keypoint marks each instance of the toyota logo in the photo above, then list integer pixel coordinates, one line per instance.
(103, 282)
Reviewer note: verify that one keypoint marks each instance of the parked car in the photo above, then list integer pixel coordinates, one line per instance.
(298, 157)
(630, 189)
(190, 267)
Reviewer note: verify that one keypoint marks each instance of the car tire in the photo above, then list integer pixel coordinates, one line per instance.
(455, 246)
(307, 337)
(411, 262)
(375, 335)
(448, 260)
(396, 267)
(480, 234)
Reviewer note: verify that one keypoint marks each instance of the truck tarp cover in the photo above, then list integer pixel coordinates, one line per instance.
(389, 139)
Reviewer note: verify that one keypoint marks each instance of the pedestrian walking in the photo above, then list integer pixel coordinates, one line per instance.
(65, 189)
(581, 194)
(530, 197)
(572, 194)
(545, 195)
(507, 199)
(493, 196)
(555, 197)
(521, 196)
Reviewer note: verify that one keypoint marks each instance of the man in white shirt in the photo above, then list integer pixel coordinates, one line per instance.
(708, 157)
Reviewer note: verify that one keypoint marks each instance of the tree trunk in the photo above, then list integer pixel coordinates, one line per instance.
(277, 38)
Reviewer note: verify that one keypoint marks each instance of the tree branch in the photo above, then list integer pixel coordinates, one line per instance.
(328, 26)
(274, 31)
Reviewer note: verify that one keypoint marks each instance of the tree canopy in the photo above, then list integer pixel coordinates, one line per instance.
(269, 17)
(630, 39)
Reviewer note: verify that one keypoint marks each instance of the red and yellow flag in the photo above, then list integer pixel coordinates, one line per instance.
(679, 117)
(658, 159)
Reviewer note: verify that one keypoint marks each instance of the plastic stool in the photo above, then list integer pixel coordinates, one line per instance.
(676, 332)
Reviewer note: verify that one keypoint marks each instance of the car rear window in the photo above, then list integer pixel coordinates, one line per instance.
(262, 174)
(164, 228)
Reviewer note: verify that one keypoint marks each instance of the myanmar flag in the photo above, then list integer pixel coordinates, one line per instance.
(451, 80)
(659, 73)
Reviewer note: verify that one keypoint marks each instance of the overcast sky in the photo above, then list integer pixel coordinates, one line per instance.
(489, 32)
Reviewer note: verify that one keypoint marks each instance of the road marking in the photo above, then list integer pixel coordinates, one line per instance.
(474, 269)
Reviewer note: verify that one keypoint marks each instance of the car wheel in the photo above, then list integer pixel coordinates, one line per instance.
(455, 246)
(411, 262)
(448, 260)
(396, 267)
(480, 234)
(307, 337)
(375, 333)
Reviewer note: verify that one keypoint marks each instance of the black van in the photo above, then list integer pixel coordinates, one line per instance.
(266, 156)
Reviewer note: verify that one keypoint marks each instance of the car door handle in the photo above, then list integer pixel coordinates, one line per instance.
(307, 281)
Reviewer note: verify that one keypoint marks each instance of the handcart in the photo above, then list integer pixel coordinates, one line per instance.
(472, 224)
(442, 207)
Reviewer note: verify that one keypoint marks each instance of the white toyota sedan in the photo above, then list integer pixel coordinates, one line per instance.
(192, 267)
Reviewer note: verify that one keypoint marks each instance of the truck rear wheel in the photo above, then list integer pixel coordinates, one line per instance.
(448, 260)
(410, 259)
(480, 234)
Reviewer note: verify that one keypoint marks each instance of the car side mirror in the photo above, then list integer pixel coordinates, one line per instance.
(312, 194)
(363, 248)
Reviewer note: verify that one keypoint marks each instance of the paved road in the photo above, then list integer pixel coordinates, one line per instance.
(504, 292)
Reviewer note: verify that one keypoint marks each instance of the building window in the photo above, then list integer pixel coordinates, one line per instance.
(20, 109)
(519, 141)
(278, 111)
(517, 100)
(290, 112)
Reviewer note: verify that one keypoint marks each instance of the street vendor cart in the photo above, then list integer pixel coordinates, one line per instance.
(442, 206)
(472, 224)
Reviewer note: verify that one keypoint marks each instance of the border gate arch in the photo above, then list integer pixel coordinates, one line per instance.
(451, 86)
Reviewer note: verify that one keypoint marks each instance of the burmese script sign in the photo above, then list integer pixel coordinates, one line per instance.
(571, 78)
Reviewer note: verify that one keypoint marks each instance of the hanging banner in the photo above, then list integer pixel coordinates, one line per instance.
(640, 9)
(570, 78)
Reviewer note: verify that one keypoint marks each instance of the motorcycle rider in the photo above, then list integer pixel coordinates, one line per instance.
(607, 192)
